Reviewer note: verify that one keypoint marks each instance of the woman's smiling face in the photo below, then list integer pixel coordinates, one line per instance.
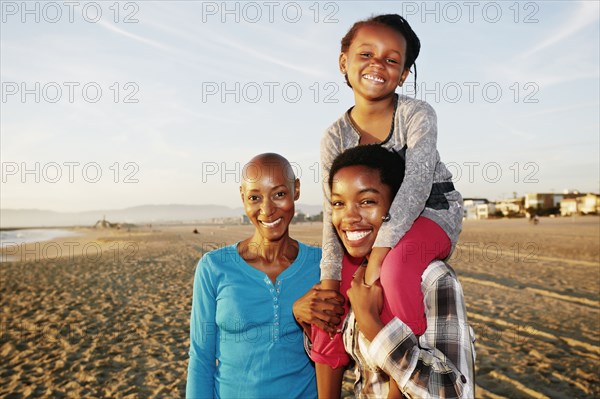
(268, 192)
(359, 202)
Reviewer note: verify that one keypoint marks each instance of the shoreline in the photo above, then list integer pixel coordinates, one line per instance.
(86, 242)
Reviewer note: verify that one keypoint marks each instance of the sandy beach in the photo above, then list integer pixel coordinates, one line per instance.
(106, 313)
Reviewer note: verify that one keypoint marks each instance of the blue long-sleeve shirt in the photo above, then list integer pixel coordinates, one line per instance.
(244, 340)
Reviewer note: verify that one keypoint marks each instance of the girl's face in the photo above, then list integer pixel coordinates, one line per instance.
(359, 203)
(374, 61)
(268, 193)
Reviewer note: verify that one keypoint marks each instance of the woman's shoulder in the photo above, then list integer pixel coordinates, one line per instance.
(308, 264)
(311, 251)
(220, 256)
(436, 271)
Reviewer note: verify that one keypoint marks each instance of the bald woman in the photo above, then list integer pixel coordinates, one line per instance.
(244, 341)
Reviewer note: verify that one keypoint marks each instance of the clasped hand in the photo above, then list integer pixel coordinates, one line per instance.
(320, 307)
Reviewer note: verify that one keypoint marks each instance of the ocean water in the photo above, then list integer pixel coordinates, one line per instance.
(24, 236)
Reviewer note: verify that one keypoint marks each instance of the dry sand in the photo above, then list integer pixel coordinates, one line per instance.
(109, 318)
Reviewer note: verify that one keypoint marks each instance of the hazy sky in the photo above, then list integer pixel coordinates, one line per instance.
(117, 104)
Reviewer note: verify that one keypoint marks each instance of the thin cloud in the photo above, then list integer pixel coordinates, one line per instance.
(544, 68)
(555, 110)
(587, 14)
(261, 56)
(186, 58)
(133, 36)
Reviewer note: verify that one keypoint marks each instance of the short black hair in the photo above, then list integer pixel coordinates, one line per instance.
(389, 164)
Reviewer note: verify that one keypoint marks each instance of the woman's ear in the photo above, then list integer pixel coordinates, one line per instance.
(296, 189)
(342, 62)
(242, 194)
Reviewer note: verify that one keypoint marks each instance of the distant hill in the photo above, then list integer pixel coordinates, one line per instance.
(139, 214)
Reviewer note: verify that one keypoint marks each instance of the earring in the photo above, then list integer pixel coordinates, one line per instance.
(386, 218)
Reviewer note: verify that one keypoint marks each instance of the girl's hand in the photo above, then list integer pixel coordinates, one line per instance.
(366, 301)
(319, 307)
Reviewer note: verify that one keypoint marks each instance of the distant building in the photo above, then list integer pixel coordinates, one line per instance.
(542, 201)
(511, 206)
(105, 224)
(476, 208)
(568, 207)
(590, 203)
(584, 204)
(484, 211)
(230, 220)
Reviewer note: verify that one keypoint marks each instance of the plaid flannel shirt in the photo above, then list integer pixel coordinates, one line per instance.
(438, 364)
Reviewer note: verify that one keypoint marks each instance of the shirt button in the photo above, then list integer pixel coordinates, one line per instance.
(463, 379)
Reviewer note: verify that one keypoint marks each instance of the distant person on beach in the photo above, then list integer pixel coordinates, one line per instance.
(425, 216)
(436, 364)
(244, 341)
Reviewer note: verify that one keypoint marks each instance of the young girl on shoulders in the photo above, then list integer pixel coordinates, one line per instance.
(425, 217)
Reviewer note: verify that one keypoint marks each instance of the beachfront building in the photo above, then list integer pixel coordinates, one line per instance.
(484, 211)
(589, 203)
(511, 206)
(583, 204)
(568, 207)
(542, 201)
(477, 208)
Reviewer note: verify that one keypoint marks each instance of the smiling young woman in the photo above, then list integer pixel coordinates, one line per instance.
(390, 359)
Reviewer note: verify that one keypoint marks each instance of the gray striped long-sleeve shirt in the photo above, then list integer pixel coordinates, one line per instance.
(427, 189)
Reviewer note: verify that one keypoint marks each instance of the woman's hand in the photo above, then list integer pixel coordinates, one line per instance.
(319, 307)
(367, 302)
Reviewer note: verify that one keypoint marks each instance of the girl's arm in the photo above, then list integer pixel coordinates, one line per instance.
(329, 381)
(323, 309)
(331, 260)
(203, 334)
(420, 122)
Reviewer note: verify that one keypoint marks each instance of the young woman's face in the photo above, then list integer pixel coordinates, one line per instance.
(359, 202)
(268, 193)
(375, 61)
